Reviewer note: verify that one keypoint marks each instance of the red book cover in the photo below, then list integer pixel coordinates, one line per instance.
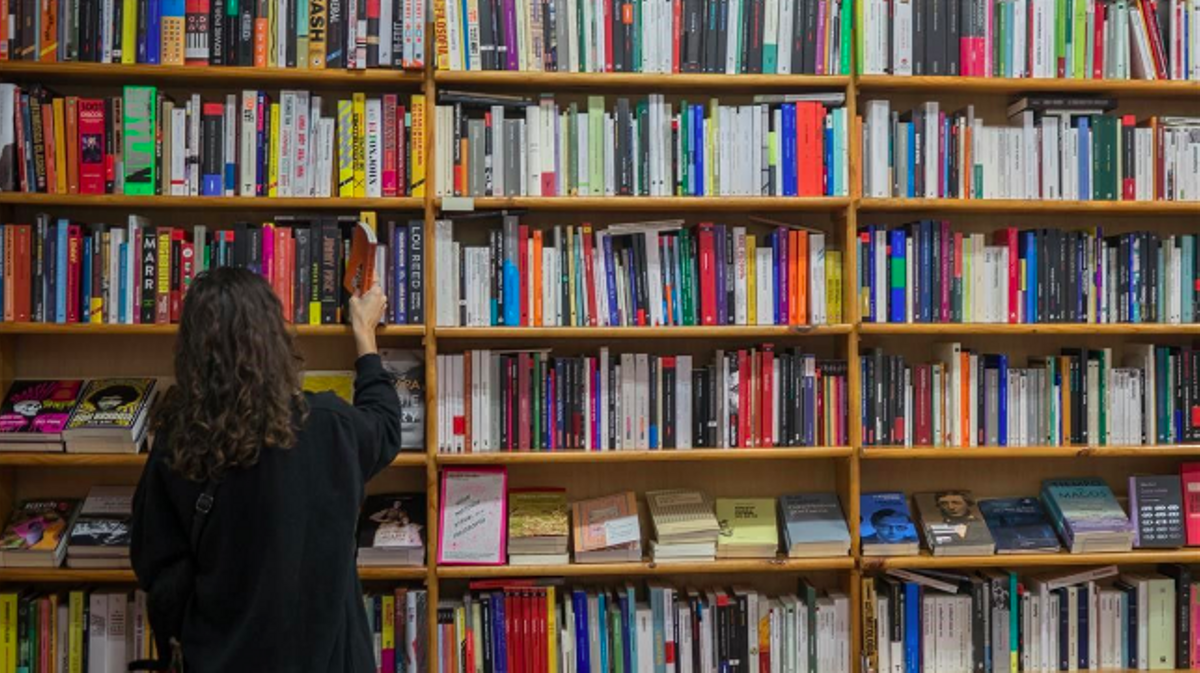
(1157, 52)
(743, 420)
(676, 31)
(512, 628)
(921, 416)
(188, 256)
(21, 104)
(1101, 13)
(523, 270)
(10, 256)
(958, 257)
(767, 434)
(531, 651)
(48, 135)
(389, 145)
(1128, 184)
(176, 274)
(708, 279)
(588, 273)
(22, 300)
(1190, 472)
(608, 38)
(198, 33)
(1008, 238)
(92, 159)
(401, 152)
(523, 366)
(74, 265)
(793, 245)
(803, 148)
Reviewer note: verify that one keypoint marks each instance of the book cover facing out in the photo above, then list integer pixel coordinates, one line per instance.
(473, 516)
(139, 106)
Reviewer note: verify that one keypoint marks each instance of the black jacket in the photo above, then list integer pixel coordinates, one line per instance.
(275, 588)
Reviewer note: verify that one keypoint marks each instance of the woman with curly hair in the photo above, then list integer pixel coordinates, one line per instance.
(243, 526)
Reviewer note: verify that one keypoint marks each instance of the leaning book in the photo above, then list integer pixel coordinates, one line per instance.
(1087, 515)
(112, 416)
(887, 528)
(813, 525)
(391, 530)
(407, 368)
(952, 524)
(36, 534)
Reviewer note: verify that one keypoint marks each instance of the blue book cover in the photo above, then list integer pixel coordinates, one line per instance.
(897, 275)
(873, 283)
(1029, 240)
(837, 140)
(122, 279)
(512, 275)
(1131, 596)
(812, 518)
(911, 160)
(60, 291)
(1084, 505)
(610, 282)
(1135, 277)
(810, 401)
(630, 622)
(886, 521)
(1001, 363)
(626, 628)
(499, 643)
(828, 160)
(926, 271)
(698, 143)
(1019, 526)
(1084, 601)
(85, 282)
(1085, 159)
(154, 9)
(602, 624)
(719, 261)
(912, 630)
(1064, 636)
(776, 267)
(582, 655)
(261, 142)
(658, 627)
(788, 142)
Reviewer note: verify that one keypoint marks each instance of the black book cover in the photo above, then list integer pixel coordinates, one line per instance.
(487, 36)
(1069, 281)
(624, 165)
(149, 268)
(797, 46)
(754, 55)
(954, 32)
(233, 33)
(810, 37)
(219, 46)
(245, 42)
(668, 405)
(291, 38)
(303, 280)
(87, 27)
(51, 268)
(398, 32)
(711, 38)
(416, 272)
(335, 34)
(38, 137)
(920, 38)
(550, 20)
(1154, 302)
(699, 408)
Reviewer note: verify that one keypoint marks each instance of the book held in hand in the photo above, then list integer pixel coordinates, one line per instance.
(952, 524)
(112, 416)
(473, 516)
(813, 525)
(887, 527)
(1019, 526)
(35, 413)
(391, 530)
(36, 534)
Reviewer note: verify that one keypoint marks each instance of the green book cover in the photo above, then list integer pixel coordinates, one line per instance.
(685, 276)
(139, 141)
(636, 66)
(808, 595)
(746, 522)
(1102, 388)
(1162, 627)
(618, 644)
(1002, 18)
(1104, 160)
(596, 143)
(1067, 20)
(843, 37)
(685, 128)
(641, 114)
(1079, 40)
(1061, 19)
(574, 184)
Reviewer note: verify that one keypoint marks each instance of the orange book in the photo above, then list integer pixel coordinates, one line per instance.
(537, 277)
(1064, 373)
(793, 249)
(10, 256)
(23, 262)
(801, 286)
(360, 267)
(964, 397)
(261, 34)
(48, 53)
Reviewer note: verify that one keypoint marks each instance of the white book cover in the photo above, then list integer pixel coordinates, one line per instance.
(248, 136)
(732, 54)
(786, 18)
(763, 287)
(118, 625)
(325, 149)
(740, 281)
(902, 38)
(878, 124)
(97, 635)
(287, 140)
(610, 184)
(909, 270)
(374, 143)
(454, 38)
(816, 284)
(302, 145)
(683, 402)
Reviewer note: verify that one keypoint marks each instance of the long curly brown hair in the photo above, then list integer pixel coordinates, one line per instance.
(237, 377)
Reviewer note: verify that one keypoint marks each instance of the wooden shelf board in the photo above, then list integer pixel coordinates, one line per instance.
(90, 460)
(198, 202)
(682, 332)
(667, 455)
(548, 81)
(1075, 329)
(871, 84)
(116, 73)
(1020, 452)
(659, 203)
(1031, 560)
(88, 329)
(647, 568)
(1029, 206)
(377, 573)
(109, 576)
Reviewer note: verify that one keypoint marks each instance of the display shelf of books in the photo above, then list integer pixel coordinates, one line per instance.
(1012, 86)
(643, 456)
(1136, 557)
(650, 568)
(1023, 452)
(664, 333)
(680, 204)
(630, 81)
(232, 76)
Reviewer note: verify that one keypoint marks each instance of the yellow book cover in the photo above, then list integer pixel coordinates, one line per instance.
(441, 45)
(272, 35)
(8, 622)
(345, 138)
(460, 638)
(162, 302)
(60, 145)
(337, 382)
(751, 285)
(129, 16)
(387, 631)
(417, 163)
(75, 632)
(273, 154)
(538, 512)
(317, 23)
(551, 627)
(746, 522)
(712, 147)
(833, 286)
(173, 28)
(360, 145)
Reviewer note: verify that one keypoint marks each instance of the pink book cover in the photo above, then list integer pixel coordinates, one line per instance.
(1190, 473)
(821, 17)
(473, 501)
(268, 253)
(389, 144)
(1195, 622)
(945, 257)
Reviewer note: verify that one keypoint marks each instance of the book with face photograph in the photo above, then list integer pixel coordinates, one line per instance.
(887, 527)
(953, 524)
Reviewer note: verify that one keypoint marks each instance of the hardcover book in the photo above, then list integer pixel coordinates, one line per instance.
(35, 413)
(1019, 526)
(539, 525)
(1156, 507)
(36, 534)
(140, 141)
(952, 524)
(814, 525)
(391, 530)
(887, 527)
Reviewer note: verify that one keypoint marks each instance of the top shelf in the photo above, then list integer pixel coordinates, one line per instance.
(115, 73)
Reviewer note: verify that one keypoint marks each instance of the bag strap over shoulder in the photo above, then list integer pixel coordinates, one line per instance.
(204, 505)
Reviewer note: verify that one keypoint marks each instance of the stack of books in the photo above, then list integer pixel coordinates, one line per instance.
(391, 530)
(887, 527)
(112, 416)
(606, 529)
(953, 525)
(748, 528)
(685, 526)
(813, 525)
(1019, 526)
(36, 534)
(1087, 515)
(539, 525)
(100, 536)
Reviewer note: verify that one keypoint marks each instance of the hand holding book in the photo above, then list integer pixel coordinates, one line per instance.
(366, 310)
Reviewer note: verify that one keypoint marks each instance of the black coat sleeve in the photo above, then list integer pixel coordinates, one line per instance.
(376, 415)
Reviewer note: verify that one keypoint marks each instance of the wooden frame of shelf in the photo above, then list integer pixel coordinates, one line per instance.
(853, 467)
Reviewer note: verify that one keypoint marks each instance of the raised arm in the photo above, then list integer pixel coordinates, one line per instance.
(376, 405)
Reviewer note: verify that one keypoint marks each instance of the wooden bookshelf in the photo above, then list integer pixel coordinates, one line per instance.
(135, 204)
(89, 329)
(89, 460)
(1005, 329)
(1028, 207)
(663, 456)
(654, 204)
(650, 568)
(873, 85)
(1024, 452)
(210, 77)
(125, 576)
(1135, 557)
(683, 332)
(618, 82)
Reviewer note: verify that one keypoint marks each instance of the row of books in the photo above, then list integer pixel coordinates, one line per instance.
(1083, 512)
(528, 400)
(145, 143)
(263, 34)
(96, 416)
(997, 621)
(925, 272)
(1076, 39)
(94, 534)
(542, 625)
(640, 274)
(65, 272)
(779, 145)
(743, 36)
(1053, 148)
(78, 630)
(1077, 398)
